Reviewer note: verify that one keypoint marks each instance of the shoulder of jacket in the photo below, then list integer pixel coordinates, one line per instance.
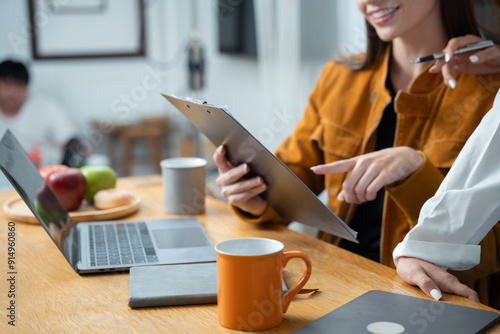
(339, 70)
(490, 82)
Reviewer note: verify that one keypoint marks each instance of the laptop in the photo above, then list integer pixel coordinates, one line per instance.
(385, 312)
(103, 246)
(286, 193)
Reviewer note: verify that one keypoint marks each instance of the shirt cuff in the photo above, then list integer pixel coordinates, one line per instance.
(452, 256)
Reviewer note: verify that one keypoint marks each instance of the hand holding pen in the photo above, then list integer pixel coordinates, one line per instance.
(468, 48)
(482, 61)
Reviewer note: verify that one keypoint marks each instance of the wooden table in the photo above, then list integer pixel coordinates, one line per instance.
(51, 297)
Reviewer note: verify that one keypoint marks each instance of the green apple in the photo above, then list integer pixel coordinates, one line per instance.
(44, 216)
(53, 215)
(98, 178)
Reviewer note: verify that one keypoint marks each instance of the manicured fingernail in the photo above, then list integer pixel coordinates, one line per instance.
(436, 294)
(432, 67)
(313, 168)
(447, 57)
(474, 59)
(340, 198)
(245, 167)
(452, 83)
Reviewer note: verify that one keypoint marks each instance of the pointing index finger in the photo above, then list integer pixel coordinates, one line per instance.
(335, 167)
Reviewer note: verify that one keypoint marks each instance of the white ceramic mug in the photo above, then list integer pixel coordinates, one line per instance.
(184, 185)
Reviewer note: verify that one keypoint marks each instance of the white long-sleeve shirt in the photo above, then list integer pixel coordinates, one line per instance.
(41, 122)
(465, 207)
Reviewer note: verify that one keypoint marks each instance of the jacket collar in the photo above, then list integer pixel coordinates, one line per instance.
(417, 101)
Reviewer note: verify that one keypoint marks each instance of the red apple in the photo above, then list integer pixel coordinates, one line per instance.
(49, 209)
(69, 186)
(45, 171)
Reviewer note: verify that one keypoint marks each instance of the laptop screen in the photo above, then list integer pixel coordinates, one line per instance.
(37, 194)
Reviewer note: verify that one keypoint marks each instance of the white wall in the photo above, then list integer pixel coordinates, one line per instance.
(351, 29)
(100, 88)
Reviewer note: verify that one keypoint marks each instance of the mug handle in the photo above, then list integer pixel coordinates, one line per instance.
(287, 255)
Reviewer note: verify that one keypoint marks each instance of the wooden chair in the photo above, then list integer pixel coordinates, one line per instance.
(153, 129)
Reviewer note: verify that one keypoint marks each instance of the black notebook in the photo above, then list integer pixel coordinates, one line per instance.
(384, 312)
(175, 284)
(178, 284)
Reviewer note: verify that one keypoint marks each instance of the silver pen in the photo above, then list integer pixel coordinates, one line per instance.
(467, 48)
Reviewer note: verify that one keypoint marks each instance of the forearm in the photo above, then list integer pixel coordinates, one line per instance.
(452, 224)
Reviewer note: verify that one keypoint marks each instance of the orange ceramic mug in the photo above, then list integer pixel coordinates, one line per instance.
(249, 282)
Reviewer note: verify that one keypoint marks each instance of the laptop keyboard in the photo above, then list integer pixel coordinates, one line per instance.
(121, 244)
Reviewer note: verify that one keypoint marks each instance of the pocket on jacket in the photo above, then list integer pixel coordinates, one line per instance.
(336, 141)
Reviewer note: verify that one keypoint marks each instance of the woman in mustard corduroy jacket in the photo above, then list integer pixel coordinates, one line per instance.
(380, 133)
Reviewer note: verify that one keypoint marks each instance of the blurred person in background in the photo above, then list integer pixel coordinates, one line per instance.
(41, 126)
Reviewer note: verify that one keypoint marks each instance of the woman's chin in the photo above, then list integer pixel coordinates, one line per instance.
(386, 36)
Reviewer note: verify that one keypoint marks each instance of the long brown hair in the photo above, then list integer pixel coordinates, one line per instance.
(488, 18)
(458, 18)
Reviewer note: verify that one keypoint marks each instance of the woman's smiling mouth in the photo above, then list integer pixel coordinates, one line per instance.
(383, 15)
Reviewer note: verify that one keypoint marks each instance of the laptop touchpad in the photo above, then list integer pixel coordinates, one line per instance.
(180, 237)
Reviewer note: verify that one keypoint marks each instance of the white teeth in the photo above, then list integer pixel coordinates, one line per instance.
(383, 13)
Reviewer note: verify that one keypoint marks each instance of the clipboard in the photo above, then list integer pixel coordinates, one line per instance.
(286, 193)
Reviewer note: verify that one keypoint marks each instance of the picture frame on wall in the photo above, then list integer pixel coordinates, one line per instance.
(79, 29)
